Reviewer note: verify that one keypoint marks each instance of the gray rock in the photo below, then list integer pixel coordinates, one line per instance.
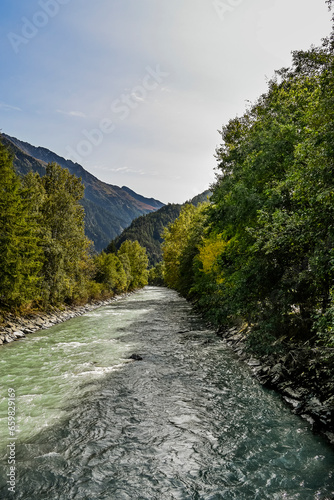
(30, 327)
(26, 331)
(276, 378)
(330, 437)
(136, 357)
(295, 403)
(254, 362)
(309, 419)
(265, 369)
(256, 370)
(19, 334)
(235, 338)
(47, 325)
(291, 393)
(276, 369)
(314, 407)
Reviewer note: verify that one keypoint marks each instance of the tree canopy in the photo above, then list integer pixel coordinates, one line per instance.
(264, 252)
(46, 259)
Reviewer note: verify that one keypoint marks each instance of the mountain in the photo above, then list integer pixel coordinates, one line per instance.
(151, 201)
(147, 229)
(109, 209)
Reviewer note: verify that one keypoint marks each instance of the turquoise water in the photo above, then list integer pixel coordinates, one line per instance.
(186, 422)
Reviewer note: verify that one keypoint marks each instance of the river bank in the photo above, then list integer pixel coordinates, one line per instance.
(302, 375)
(14, 327)
(186, 421)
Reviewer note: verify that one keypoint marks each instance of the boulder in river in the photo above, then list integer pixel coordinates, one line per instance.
(136, 357)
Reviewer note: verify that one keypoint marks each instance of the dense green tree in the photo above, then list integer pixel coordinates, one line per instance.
(181, 239)
(156, 275)
(265, 252)
(64, 242)
(45, 256)
(20, 255)
(147, 230)
(110, 272)
(138, 261)
(124, 258)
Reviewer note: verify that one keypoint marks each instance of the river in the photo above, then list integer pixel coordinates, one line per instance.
(187, 421)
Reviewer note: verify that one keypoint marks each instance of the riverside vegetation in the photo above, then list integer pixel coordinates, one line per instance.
(261, 254)
(258, 258)
(46, 259)
(148, 229)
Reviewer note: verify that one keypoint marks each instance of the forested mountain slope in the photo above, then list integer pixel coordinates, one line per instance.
(147, 229)
(109, 209)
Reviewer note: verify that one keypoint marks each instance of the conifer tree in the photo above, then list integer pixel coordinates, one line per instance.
(20, 261)
(64, 243)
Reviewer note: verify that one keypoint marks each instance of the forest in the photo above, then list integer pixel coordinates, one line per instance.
(148, 229)
(261, 253)
(46, 259)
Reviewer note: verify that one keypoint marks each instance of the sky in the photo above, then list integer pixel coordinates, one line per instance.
(136, 91)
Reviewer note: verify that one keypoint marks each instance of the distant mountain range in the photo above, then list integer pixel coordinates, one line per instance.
(109, 209)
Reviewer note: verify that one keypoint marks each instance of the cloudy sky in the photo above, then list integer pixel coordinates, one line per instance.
(136, 90)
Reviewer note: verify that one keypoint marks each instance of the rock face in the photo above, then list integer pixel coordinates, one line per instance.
(302, 376)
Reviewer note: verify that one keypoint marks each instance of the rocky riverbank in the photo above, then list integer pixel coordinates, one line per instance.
(16, 328)
(302, 375)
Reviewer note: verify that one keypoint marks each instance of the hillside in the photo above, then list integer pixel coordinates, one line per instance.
(109, 209)
(147, 229)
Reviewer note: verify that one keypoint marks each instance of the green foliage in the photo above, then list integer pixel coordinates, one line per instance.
(125, 260)
(262, 342)
(45, 256)
(138, 262)
(64, 242)
(125, 271)
(147, 230)
(20, 255)
(264, 253)
(156, 275)
(44, 252)
(181, 240)
(110, 272)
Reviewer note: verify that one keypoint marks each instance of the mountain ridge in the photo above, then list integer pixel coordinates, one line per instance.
(109, 208)
(147, 229)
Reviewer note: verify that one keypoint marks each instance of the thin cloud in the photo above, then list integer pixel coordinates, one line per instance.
(128, 170)
(77, 114)
(8, 107)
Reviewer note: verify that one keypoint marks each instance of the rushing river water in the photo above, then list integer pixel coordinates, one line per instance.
(186, 422)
